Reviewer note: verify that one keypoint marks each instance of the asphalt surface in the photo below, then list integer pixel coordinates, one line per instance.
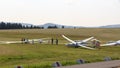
(105, 64)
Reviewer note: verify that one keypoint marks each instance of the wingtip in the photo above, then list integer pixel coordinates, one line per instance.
(63, 35)
(92, 37)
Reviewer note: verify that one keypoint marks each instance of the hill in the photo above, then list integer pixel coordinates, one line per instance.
(59, 26)
(111, 26)
(66, 26)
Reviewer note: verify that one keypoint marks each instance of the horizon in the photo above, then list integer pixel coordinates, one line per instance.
(58, 24)
(90, 13)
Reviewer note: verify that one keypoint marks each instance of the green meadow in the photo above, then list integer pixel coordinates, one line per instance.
(43, 55)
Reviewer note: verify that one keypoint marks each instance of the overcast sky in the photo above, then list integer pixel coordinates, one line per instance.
(66, 12)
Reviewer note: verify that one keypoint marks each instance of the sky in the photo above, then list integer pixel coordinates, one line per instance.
(66, 12)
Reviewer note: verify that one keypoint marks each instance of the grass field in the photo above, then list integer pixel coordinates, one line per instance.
(43, 55)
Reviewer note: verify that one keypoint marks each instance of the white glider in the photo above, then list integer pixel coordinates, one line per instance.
(112, 43)
(78, 43)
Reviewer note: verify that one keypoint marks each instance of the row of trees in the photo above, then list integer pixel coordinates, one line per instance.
(4, 25)
(17, 26)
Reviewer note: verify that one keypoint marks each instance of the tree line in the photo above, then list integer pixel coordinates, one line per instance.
(4, 25)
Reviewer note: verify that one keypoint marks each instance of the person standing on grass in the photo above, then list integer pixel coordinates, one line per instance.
(56, 41)
(94, 43)
(52, 41)
(98, 44)
(32, 41)
(22, 40)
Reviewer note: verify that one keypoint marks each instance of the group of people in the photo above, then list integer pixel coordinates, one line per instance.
(96, 43)
(51, 41)
(24, 40)
(54, 40)
(27, 41)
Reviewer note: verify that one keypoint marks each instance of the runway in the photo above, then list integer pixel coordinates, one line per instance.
(105, 64)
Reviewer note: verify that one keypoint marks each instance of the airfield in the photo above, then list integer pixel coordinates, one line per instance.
(43, 55)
